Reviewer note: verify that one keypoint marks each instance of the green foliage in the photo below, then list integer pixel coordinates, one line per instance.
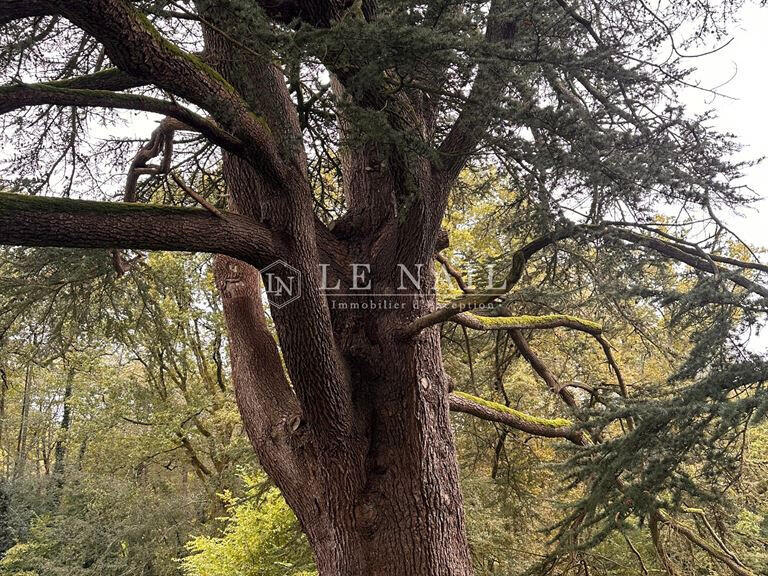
(106, 525)
(261, 538)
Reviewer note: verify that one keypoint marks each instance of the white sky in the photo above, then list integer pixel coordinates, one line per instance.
(746, 116)
(744, 61)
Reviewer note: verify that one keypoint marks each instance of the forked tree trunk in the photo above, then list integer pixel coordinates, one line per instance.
(398, 509)
(360, 441)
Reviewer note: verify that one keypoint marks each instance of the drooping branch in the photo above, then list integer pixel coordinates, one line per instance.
(674, 251)
(690, 534)
(548, 321)
(17, 96)
(700, 261)
(39, 221)
(199, 198)
(534, 425)
(542, 369)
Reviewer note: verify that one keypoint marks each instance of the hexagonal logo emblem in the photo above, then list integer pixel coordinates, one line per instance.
(282, 283)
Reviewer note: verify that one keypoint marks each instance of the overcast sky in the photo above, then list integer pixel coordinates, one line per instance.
(746, 115)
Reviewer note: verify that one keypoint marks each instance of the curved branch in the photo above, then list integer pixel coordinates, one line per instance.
(17, 96)
(495, 412)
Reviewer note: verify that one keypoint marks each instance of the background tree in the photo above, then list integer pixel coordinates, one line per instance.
(337, 132)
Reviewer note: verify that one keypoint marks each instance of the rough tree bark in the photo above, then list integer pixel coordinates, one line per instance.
(354, 428)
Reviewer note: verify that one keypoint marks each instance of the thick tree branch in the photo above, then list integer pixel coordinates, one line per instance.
(495, 412)
(112, 79)
(547, 321)
(39, 221)
(17, 96)
(45, 221)
(270, 411)
(15, 9)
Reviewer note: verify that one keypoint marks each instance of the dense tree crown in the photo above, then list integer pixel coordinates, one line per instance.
(573, 345)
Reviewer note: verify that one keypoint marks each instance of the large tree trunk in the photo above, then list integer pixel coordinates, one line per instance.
(398, 508)
(410, 510)
(359, 441)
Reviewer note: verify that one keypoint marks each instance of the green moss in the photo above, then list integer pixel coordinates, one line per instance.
(96, 78)
(173, 48)
(526, 321)
(549, 422)
(41, 204)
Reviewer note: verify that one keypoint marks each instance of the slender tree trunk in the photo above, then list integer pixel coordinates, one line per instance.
(3, 391)
(21, 441)
(60, 450)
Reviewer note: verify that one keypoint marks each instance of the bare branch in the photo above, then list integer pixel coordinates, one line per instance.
(160, 142)
(542, 369)
(455, 274)
(17, 96)
(691, 535)
(200, 199)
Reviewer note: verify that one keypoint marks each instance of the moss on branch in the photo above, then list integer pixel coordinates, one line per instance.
(46, 204)
(537, 420)
(531, 322)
